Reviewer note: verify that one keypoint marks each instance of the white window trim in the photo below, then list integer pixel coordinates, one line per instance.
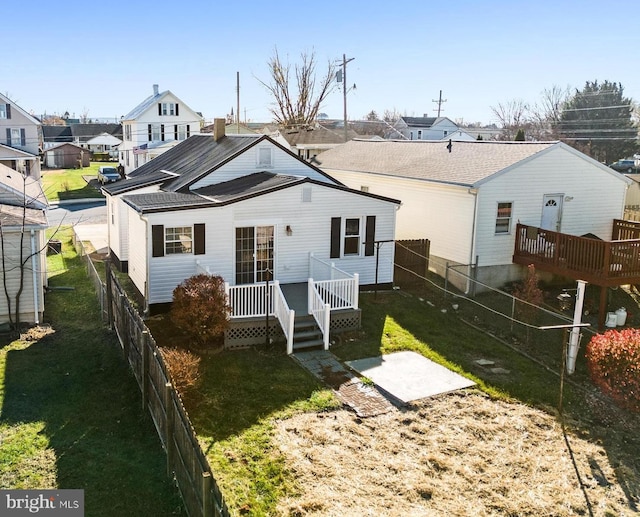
(498, 218)
(259, 163)
(181, 238)
(344, 236)
(3, 111)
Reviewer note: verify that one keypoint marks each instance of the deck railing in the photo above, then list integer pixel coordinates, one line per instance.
(320, 311)
(250, 301)
(596, 261)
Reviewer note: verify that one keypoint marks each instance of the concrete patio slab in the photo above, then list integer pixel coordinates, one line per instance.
(408, 376)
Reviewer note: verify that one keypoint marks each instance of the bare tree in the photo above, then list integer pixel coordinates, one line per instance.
(298, 105)
(546, 114)
(513, 115)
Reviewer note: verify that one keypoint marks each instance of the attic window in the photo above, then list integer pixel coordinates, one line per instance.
(265, 158)
(3, 111)
(364, 188)
(306, 194)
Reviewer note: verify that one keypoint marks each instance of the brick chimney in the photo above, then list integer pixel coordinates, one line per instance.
(155, 89)
(218, 128)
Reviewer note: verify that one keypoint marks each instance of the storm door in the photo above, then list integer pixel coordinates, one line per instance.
(254, 254)
(551, 212)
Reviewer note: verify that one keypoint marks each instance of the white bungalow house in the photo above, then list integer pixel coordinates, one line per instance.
(471, 199)
(24, 222)
(20, 139)
(423, 128)
(155, 125)
(245, 208)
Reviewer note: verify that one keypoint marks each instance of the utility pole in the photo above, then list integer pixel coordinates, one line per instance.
(344, 91)
(238, 101)
(439, 101)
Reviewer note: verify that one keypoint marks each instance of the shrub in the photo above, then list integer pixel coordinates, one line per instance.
(200, 309)
(528, 291)
(184, 368)
(613, 359)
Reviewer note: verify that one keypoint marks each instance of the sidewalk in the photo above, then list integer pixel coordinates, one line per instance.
(365, 400)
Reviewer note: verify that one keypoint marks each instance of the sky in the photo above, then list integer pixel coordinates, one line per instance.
(102, 58)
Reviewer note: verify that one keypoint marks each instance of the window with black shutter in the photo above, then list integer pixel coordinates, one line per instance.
(162, 132)
(160, 109)
(149, 131)
(157, 240)
(370, 236)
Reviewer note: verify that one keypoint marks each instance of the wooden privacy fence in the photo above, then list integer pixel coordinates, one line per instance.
(411, 262)
(186, 462)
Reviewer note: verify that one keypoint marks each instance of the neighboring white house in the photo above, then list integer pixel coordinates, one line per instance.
(155, 125)
(467, 199)
(309, 142)
(247, 209)
(24, 223)
(423, 128)
(20, 138)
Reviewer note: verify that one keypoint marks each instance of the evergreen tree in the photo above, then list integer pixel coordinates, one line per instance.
(519, 136)
(597, 120)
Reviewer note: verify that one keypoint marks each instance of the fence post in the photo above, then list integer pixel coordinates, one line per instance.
(446, 278)
(169, 426)
(327, 325)
(145, 367)
(107, 264)
(124, 323)
(207, 508)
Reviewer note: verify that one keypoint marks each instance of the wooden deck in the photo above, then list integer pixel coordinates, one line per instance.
(603, 263)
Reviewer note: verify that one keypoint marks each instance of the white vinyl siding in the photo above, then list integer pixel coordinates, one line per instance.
(441, 213)
(585, 185)
(310, 225)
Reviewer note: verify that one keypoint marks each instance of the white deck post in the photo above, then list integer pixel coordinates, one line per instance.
(292, 317)
(356, 282)
(310, 295)
(327, 324)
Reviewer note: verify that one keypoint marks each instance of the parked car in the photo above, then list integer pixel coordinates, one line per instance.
(624, 166)
(108, 174)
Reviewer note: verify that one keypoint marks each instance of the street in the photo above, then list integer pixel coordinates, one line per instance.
(93, 212)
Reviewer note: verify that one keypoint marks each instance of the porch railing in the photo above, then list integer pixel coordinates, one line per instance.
(250, 301)
(336, 287)
(321, 312)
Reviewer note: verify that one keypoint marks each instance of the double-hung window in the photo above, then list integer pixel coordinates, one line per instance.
(3, 111)
(15, 137)
(178, 240)
(503, 217)
(352, 237)
(155, 132)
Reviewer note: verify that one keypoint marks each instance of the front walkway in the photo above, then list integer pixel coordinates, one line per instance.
(365, 400)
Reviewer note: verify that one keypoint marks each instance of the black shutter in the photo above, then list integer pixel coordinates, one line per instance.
(198, 239)
(188, 130)
(8, 111)
(335, 237)
(370, 236)
(23, 137)
(162, 132)
(8, 136)
(149, 131)
(175, 131)
(157, 240)
(160, 108)
(177, 112)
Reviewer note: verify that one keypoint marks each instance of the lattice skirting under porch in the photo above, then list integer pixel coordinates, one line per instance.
(243, 333)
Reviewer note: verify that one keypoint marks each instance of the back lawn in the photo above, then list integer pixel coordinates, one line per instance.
(71, 411)
(279, 445)
(65, 184)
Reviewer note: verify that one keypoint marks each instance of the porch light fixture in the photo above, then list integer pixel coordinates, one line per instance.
(289, 230)
(564, 300)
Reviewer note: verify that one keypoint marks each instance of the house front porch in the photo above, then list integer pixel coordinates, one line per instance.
(602, 263)
(302, 314)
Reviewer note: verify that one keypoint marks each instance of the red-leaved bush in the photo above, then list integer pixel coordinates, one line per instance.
(613, 359)
(200, 309)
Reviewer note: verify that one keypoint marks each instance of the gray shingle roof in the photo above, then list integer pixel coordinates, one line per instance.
(12, 216)
(466, 164)
(160, 201)
(246, 186)
(144, 105)
(126, 185)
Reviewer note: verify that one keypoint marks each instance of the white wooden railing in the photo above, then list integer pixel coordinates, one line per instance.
(250, 301)
(320, 311)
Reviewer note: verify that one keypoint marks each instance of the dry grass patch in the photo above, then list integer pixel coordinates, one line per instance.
(457, 454)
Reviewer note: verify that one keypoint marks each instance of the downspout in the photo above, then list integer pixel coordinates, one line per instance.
(147, 262)
(474, 193)
(34, 272)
